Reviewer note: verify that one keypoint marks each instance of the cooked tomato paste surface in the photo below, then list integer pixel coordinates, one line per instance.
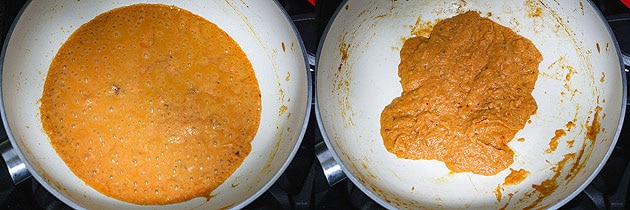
(151, 104)
(466, 92)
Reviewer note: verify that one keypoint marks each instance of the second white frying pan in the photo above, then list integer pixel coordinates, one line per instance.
(581, 80)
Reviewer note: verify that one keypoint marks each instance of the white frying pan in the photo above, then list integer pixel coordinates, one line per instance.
(581, 71)
(261, 28)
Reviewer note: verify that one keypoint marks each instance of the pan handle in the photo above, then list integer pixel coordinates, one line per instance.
(6, 183)
(626, 62)
(12, 169)
(332, 170)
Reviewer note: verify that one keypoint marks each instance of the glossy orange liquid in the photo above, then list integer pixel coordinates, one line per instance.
(151, 104)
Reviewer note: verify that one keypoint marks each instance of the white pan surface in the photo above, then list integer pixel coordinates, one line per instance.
(262, 30)
(581, 80)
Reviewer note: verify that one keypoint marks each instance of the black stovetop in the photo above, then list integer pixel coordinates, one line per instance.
(303, 185)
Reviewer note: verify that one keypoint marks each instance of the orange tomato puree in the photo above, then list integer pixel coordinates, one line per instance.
(151, 104)
(466, 92)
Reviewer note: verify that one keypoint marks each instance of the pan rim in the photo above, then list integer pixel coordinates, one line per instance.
(309, 101)
(622, 114)
(241, 204)
(320, 122)
(7, 126)
(563, 201)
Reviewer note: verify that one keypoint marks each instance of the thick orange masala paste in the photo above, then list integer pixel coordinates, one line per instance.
(466, 92)
(151, 104)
